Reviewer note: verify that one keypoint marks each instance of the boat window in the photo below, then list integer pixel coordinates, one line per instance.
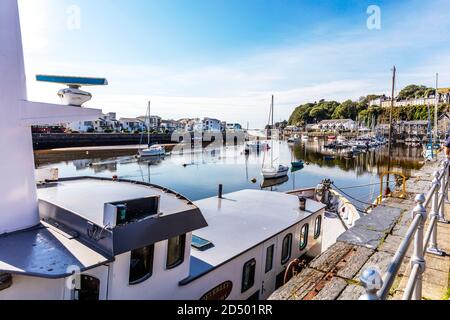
(318, 227)
(248, 275)
(304, 237)
(89, 289)
(269, 258)
(141, 264)
(286, 249)
(200, 243)
(175, 251)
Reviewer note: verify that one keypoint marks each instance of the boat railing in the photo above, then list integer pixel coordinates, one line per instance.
(378, 287)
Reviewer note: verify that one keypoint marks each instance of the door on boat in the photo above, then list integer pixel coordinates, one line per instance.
(268, 269)
(89, 286)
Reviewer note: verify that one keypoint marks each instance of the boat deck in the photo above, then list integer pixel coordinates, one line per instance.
(243, 220)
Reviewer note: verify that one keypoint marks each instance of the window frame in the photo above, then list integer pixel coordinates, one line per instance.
(252, 264)
(183, 253)
(288, 256)
(272, 250)
(304, 245)
(150, 273)
(318, 231)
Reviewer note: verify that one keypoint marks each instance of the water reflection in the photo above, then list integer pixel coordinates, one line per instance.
(197, 174)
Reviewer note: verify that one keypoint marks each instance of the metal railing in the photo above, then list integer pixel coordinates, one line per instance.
(378, 287)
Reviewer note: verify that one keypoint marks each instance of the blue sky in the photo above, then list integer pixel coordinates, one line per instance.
(224, 58)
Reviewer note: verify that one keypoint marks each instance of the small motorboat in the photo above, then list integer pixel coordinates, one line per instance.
(153, 151)
(305, 138)
(256, 145)
(331, 137)
(298, 164)
(328, 158)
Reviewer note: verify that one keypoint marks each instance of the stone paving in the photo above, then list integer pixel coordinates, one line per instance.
(334, 275)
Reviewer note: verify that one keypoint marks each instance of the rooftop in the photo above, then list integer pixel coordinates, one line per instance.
(96, 192)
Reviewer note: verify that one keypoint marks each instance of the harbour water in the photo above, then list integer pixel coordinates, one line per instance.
(198, 174)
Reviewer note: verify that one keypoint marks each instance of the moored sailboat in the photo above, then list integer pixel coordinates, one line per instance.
(279, 171)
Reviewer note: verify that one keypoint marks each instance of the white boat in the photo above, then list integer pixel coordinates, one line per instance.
(257, 145)
(305, 138)
(153, 151)
(274, 172)
(341, 139)
(112, 239)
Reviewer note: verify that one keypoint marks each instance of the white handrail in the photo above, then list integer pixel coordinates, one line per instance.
(377, 288)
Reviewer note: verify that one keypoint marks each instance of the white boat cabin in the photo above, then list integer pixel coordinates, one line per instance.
(128, 240)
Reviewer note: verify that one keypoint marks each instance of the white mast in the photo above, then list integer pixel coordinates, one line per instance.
(148, 129)
(436, 107)
(271, 132)
(18, 187)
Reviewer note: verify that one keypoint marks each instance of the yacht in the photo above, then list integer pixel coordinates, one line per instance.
(153, 151)
(274, 172)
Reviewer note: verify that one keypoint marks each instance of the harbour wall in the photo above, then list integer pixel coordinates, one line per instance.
(46, 141)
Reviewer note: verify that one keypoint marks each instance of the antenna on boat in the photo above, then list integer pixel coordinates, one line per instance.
(73, 96)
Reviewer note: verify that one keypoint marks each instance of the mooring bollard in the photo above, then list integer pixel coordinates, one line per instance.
(434, 213)
(220, 192)
(372, 281)
(418, 256)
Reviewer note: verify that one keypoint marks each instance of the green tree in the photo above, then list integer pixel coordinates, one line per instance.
(346, 110)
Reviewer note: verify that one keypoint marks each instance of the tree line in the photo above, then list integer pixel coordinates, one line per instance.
(360, 110)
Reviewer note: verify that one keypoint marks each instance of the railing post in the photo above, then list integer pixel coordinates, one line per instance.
(418, 256)
(372, 281)
(444, 192)
(434, 213)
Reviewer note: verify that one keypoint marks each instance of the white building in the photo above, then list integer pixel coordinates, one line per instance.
(234, 126)
(337, 125)
(155, 122)
(209, 124)
(132, 124)
(106, 123)
(171, 125)
(81, 126)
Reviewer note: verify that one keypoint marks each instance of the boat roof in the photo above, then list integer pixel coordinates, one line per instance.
(69, 208)
(46, 252)
(242, 220)
(95, 192)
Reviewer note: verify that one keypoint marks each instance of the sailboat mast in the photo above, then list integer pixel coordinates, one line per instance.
(148, 128)
(390, 128)
(272, 130)
(436, 107)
